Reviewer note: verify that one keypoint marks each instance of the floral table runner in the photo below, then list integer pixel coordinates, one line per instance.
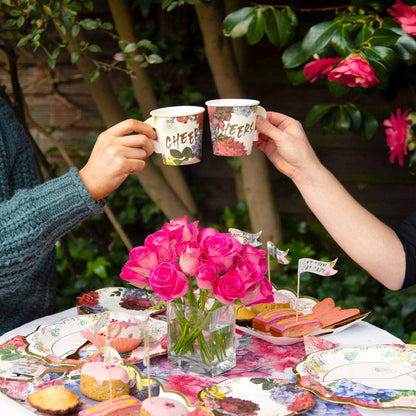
(255, 358)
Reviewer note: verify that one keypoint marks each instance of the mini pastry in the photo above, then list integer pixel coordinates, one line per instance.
(295, 326)
(244, 316)
(162, 406)
(263, 321)
(121, 406)
(95, 381)
(55, 400)
(263, 307)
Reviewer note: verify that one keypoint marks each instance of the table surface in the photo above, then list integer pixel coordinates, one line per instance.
(362, 333)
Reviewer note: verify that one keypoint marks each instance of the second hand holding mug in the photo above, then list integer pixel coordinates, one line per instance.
(179, 133)
(232, 122)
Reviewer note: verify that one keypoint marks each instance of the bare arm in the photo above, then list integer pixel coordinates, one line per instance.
(367, 240)
(118, 152)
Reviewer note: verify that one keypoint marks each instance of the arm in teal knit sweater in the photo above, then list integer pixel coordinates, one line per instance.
(34, 216)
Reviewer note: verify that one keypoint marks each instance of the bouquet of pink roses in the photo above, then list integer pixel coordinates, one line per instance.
(201, 268)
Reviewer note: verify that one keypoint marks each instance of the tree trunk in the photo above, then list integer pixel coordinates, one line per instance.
(150, 178)
(146, 97)
(254, 174)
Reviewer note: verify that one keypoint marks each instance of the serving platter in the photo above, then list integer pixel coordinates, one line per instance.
(120, 299)
(256, 396)
(377, 376)
(55, 342)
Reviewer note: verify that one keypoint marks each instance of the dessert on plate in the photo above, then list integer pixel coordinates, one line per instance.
(55, 400)
(120, 406)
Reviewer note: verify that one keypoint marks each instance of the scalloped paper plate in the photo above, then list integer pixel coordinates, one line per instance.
(376, 376)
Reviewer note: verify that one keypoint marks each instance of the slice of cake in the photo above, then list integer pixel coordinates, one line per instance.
(329, 314)
(244, 316)
(295, 327)
(162, 406)
(120, 406)
(263, 321)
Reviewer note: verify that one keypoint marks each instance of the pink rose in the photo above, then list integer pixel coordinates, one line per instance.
(144, 257)
(404, 15)
(134, 274)
(222, 250)
(255, 255)
(229, 287)
(249, 272)
(168, 281)
(259, 292)
(206, 276)
(180, 230)
(398, 134)
(162, 244)
(205, 232)
(320, 67)
(354, 72)
(189, 253)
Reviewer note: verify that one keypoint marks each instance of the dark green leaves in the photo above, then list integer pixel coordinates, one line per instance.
(255, 22)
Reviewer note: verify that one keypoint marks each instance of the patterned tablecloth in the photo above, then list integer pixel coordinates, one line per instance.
(255, 358)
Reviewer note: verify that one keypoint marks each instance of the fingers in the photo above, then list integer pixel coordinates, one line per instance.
(137, 141)
(131, 126)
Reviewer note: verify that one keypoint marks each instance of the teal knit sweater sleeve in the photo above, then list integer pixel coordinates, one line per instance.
(33, 217)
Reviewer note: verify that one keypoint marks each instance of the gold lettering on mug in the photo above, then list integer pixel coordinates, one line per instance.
(181, 138)
(237, 130)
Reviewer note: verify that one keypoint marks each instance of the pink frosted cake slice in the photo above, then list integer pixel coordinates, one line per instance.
(263, 320)
(163, 406)
(120, 406)
(292, 327)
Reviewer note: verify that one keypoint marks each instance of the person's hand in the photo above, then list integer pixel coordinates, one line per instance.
(117, 154)
(284, 142)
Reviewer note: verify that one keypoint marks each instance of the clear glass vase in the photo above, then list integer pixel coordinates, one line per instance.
(201, 341)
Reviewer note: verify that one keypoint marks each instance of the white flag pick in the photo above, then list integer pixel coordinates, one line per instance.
(279, 255)
(246, 238)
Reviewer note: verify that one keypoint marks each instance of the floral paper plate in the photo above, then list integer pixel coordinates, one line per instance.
(256, 396)
(57, 341)
(378, 376)
(120, 299)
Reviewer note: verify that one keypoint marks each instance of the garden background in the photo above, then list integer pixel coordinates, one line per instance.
(76, 82)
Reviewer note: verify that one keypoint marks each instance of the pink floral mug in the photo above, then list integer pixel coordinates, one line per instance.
(179, 132)
(232, 122)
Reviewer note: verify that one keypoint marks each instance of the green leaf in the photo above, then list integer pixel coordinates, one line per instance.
(342, 121)
(75, 31)
(293, 56)
(89, 24)
(130, 47)
(66, 19)
(341, 41)
(236, 23)
(369, 125)
(75, 56)
(384, 37)
(154, 59)
(176, 154)
(405, 46)
(95, 74)
(296, 77)
(278, 27)
(318, 37)
(256, 28)
(22, 41)
(187, 152)
(355, 116)
(94, 48)
(20, 21)
(51, 62)
(363, 35)
(337, 89)
(317, 112)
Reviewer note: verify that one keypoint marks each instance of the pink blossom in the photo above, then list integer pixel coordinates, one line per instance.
(168, 281)
(222, 250)
(255, 255)
(404, 15)
(229, 287)
(134, 274)
(259, 292)
(320, 67)
(206, 276)
(249, 272)
(398, 133)
(161, 243)
(354, 72)
(144, 257)
(181, 230)
(205, 232)
(189, 253)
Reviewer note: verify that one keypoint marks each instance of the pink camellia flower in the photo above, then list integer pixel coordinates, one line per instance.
(189, 253)
(229, 287)
(222, 250)
(134, 274)
(181, 230)
(206, 275)
(162, 244)
(168, 281)
(398, 134)
(354, 72)
(259, 292)
(144, 258)
(320, 67)
(404, 15)
(255, 255)
(249, 272)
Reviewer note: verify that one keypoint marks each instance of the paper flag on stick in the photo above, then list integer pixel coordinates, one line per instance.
(246, 238)
(322, 268)
(279, 255)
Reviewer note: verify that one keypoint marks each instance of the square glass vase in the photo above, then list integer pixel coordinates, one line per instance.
(201, 341)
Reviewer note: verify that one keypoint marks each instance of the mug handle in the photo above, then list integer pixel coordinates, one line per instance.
(155, 143)
(261, 111)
